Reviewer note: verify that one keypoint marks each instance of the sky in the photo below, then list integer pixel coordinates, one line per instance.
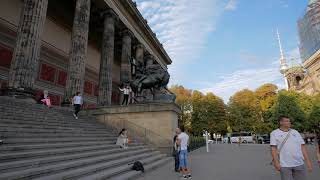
(223, 46)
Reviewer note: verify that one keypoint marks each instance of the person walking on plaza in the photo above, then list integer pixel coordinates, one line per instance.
(176, 151)
(126, 93)
(183, 142)
(289, 152)
(77, 102)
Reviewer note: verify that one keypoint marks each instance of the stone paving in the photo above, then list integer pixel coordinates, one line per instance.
(230, 162)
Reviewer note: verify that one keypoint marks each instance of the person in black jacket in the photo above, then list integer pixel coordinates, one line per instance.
(176, 153)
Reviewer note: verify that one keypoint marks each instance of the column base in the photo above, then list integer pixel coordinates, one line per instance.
(20, 93)
(66, 102)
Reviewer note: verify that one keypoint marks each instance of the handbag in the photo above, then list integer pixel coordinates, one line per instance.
(281, 146)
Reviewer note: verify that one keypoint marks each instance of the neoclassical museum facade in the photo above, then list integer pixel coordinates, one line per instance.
(66, 46)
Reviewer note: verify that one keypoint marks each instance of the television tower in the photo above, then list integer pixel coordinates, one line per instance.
(283, 63)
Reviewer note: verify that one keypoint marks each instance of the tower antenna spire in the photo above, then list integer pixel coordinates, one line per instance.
(280, 46)
(283, 63)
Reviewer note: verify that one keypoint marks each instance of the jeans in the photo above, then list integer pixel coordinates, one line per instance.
(176, 161)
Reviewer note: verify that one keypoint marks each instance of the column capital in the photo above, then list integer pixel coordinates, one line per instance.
(109, 13)
(149, 56)
(138, 45)
(127, 32)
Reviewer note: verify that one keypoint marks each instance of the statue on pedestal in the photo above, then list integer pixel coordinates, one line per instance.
(152, 78)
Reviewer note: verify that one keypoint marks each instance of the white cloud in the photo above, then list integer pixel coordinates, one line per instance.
(183, 26)
(247, 78)
(231, 5)
(252, 78)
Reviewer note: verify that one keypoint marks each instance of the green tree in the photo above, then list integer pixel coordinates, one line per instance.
(183, 99)
(287, 105)
(267, 96)
(314, 118)
(244, 111)
(198, 121)
(215, 114)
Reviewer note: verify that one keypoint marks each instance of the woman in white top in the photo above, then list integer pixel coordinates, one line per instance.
(77, 103)
(126, 92)
(122, 139)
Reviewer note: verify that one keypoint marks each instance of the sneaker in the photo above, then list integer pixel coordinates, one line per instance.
(1, 141)
(184, 177)
(76, 117)
(189, 176)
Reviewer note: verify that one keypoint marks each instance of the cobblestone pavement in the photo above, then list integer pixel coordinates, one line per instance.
(230, 162)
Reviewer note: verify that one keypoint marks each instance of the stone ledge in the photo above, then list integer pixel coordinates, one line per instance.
(135, 108)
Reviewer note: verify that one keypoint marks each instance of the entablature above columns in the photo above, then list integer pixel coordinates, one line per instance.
(133, 20)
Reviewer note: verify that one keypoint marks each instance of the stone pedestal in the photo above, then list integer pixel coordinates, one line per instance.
(154, 123)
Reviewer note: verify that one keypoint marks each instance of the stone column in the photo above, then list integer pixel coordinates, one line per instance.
(25, 63)
(125, 70)
(107, 59)
(139, 53)
(78, 49)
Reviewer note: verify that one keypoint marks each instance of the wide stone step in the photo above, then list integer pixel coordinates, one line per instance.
(66, 155)
(12, 123)
(147, 167)
(41, 146)
(52, 120)
(108, 173)
(29, 111)
(55, 140)
(48, 119)
(7, 156)
(4, 130)
(58, 167)
(54, 135)
(28, 128)
(103, 166)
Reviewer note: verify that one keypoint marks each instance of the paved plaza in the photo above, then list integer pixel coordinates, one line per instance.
(230, 162)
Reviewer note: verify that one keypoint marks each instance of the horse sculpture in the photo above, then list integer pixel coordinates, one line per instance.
(151, 77)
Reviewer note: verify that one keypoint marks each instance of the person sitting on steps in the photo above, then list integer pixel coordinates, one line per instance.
(122, 139)
(46, 99)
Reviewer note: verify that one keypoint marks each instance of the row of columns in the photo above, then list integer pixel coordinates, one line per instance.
(24, 66)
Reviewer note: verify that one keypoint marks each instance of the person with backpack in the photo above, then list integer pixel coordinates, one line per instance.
(183, 142)
(288, 151)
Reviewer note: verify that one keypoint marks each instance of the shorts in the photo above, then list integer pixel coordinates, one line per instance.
(293, 173)
(183, 159)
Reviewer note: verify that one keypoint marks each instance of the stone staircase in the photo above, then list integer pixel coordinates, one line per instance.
(42, 143)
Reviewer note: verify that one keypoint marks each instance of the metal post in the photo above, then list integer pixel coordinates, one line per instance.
(207, 141)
